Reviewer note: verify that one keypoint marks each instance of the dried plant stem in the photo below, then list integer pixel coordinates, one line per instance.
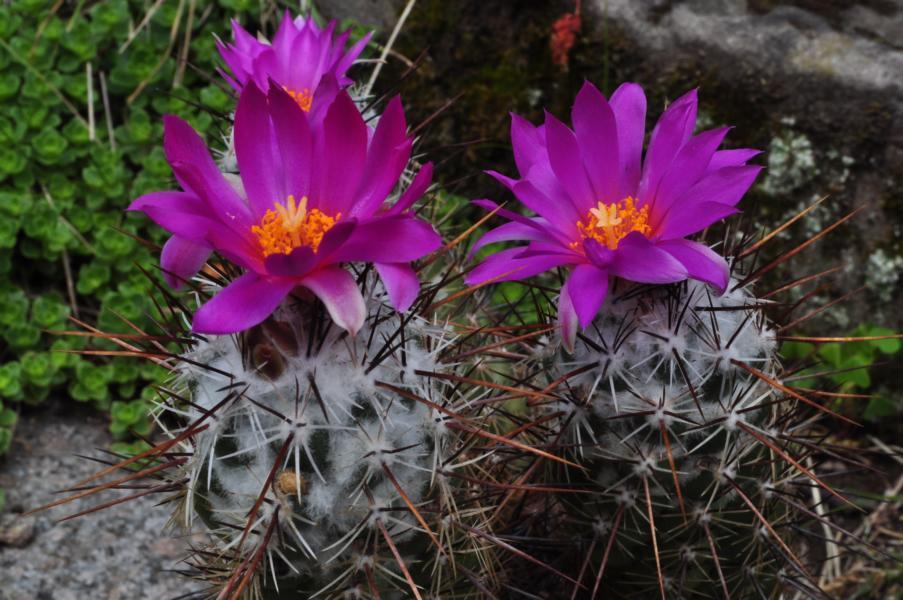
(388, 47)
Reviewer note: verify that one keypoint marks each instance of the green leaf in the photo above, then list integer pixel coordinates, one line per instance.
(856, 372)
(12, 161)
(10, 380)
(49, 311)
(13, 306)
(888, 346)
(15, 203)
(9, 85)
(76, 132)
(881, 407)
(831, 353)
(22, 336)
(9, 230)
(140, 127)
(78, 40)
(38, 368)
(91, 277)
(8, 417)
(13, 129)
(796, 350)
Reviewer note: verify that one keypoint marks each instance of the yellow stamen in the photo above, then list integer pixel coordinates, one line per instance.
(609, 223)
(291, 226)
(304, 98)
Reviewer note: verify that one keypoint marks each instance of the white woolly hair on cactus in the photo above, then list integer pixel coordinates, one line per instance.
(319, 463)
(320, 428)
(674, 406)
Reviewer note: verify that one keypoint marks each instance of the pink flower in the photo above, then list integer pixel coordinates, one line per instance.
(301, 56)
(603, 210)
(313, 198)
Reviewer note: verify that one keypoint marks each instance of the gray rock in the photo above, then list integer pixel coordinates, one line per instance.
(823, 75)
(380, 14)
(123, 552)
(786, 40)
(16, 530)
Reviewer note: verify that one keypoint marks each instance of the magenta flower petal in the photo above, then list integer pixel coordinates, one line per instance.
(387, 158)
(181, 259)
(511, 232)
(180, 213)
(670, 134)
(300, 57)
(243, 303)
(567, 164)
(334, 239)
(401, 282)
(257, 151)
(693, 218)
(562, 215)
(296, 264)
(640, 260)
(240, 56)
(726, 186)
(597, 132)
(349, 57)
(415, 191)
(328, 90)
(689, 165)
(341, 152)
(508, 266)
(701, 262)
(598, 254)
(587, 287)
(628, 103)
(528, 143)
(389, 239)
(567, 319)
(196, 172)
(732, 158)
(285, 38)
(508, 182)
(534, 222)
(338, 291)
(294, 140)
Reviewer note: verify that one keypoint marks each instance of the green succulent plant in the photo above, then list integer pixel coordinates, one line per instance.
(67, 170)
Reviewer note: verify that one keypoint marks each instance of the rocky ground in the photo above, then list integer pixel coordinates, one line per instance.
(122, 553)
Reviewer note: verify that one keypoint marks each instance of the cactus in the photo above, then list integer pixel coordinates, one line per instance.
(666, 415)
(320, 463)
(695, 464)
(307, 442)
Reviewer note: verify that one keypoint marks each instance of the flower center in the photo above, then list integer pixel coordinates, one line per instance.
(609, 223)
(304, 98)
(291, 226)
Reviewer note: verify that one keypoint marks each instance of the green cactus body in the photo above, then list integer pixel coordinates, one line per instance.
(669, 413)
(315, 451)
